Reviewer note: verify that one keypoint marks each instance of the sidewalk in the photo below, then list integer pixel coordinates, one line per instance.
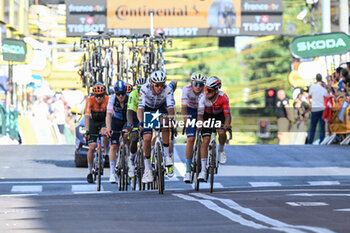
(6, 140)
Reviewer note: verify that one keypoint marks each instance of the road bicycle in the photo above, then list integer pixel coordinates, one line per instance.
(122, 168)
(98, 162)
(158, 163)
(196, 160)
(139, 164)
(213, 159)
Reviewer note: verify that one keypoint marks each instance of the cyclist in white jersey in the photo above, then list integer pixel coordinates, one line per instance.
(155, 96)
(189, 106)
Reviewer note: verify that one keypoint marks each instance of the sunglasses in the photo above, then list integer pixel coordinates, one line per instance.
(99, 95)
(198, 84)
(209, 90)
(159, 84)
(120, 94)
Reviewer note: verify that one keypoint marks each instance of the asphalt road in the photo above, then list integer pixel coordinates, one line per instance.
(265, 188)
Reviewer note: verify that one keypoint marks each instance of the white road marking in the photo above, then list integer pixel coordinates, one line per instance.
(50, 182)
(204, 185)
(320, 194)
(309, 203)
(180, 168)
(229, 170)
(171, 179)
(323, 182)
(343, 210)
(27, 189)
(84, 188)
(264, 184)
(228, 214)
(19, 195)
(277, 225)
(93, 192)
(284, 190)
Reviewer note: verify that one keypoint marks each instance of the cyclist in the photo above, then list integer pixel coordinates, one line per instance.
(116, 122)
(133, 122)
(95, 116)
(154, 96)
(191, 94)
(214, 105)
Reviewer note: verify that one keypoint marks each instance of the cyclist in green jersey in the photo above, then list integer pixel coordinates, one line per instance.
(133, 122)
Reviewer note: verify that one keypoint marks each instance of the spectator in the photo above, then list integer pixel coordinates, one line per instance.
(317, 92)
(283, 118)
(59, 116)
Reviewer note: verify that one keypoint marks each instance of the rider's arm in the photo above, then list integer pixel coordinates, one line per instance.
(87, 114)
(227, 113)
(109, 115)
(142, 102)
(184, 101)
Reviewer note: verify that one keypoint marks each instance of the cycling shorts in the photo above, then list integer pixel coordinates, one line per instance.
(191, 131)
(217, 117)
(117, 126)
(94, 128)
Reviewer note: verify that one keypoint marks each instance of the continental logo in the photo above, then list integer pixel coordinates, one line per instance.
(123, 12)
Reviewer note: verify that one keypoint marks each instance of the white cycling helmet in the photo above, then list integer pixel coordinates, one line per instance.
(158, 77)
(199, 76)
(213, 82)
(141, 81)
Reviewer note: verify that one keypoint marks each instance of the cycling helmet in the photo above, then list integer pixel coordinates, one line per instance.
(99, 88)
(141, 81)
(120, 86)
(111, 91)
(213, 82)
(158, 77)
(128, 88)
(198, 76)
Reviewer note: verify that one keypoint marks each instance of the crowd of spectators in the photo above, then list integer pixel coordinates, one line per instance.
(325, 103)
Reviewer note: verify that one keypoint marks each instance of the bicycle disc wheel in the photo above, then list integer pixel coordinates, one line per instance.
(99, 169)
(198, 164)
(160, 171)
(212, 166)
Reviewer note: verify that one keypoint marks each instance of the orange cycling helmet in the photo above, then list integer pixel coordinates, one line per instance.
(128, 88)
(99, 89)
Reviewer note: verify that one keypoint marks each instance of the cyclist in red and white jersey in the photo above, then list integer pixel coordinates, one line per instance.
(214, 105)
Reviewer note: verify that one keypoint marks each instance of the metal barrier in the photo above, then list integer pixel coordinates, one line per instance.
(9, 122)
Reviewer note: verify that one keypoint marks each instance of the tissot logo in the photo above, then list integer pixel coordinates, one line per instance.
(321, 44)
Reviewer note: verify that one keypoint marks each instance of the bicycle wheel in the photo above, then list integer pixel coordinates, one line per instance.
(123, 167)
(99, 169)
(139, 169)
(160, 174)
(197, 163)
(212, 166)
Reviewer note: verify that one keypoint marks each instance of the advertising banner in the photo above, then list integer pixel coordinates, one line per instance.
(84, 16)
(320, 45)
(176, 17)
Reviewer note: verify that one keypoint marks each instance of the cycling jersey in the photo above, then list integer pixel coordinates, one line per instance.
(95, 111)
(115, 106)
(189, 98)
(221, 104)
(148, 99)
(133, 100)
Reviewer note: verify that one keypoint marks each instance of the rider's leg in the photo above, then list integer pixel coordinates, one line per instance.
(90, 155)
(133, 146)
(204, 152)
(189, 152)
(147, 150)
(222, 139)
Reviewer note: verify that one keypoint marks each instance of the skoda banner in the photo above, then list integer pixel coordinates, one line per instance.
(175, 18)
(320, 45)
(14, 50)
